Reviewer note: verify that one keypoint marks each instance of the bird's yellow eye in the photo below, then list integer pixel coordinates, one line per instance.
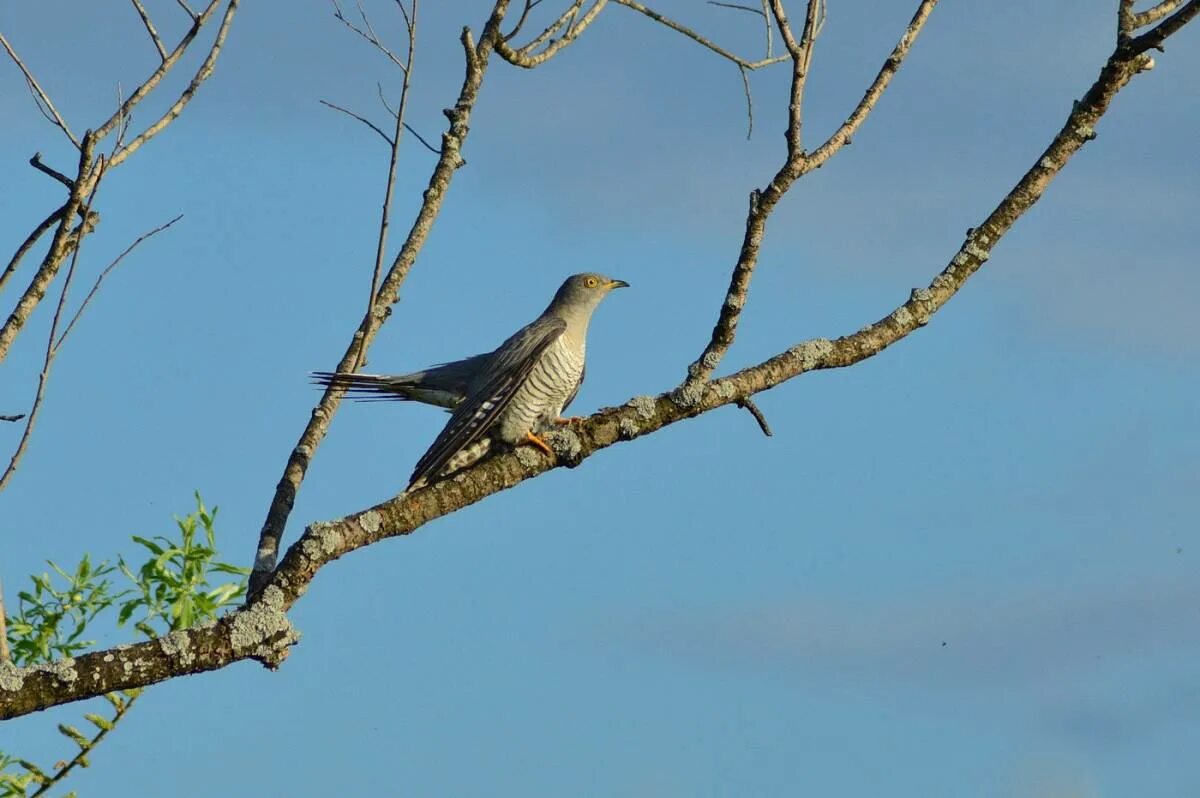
(590, 282)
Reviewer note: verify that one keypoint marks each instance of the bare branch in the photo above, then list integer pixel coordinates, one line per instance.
(104, 274)
(407, 126)
(39, 95)
(158, 45)
(1153, 39)
(389, 189)
(51, 348)
(528, 60)
(36, 163)
(748, 404)
(28, 244)
(691, 34)
(362, 119)
(1155, 13)
(449, 160)
(796, 166)
(369, 33)
(188, 9)
(64, 239)
(565, 19)
(5, 654)
(202, 74)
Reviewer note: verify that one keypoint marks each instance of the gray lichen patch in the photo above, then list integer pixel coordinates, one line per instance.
(263, 629)
(724, 389)
(528, 456)
(644, 405)
(12, 678)
(688, 395)
(62, 669)
(565, 444)
(177, 646)
(810, 353)
(629, 428)
(371, 521)
(321, 540)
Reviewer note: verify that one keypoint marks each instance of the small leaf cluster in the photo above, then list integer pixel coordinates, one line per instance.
(170, 590)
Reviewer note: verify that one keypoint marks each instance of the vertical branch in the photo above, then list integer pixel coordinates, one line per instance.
(410, 22)
(449, 160)
(5, 654)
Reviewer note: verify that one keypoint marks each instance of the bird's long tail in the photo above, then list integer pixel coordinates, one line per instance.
(367, 386)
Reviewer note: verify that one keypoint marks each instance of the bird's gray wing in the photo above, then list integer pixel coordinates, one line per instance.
(511, 364)
(445, 384)
(575, 390)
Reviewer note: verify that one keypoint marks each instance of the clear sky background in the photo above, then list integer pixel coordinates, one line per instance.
(967, 566)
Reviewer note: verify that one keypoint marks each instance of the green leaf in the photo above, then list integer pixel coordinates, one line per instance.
(34, 771)
(116, 700)
(99, 721)
(74, 734)
(154, 547)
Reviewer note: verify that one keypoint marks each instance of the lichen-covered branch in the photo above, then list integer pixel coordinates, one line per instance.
(261, 631)
(449, 160)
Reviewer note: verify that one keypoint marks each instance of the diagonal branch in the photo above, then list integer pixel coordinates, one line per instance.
(149, 25)
(1155, 13)
(702, 41)
(39, 95)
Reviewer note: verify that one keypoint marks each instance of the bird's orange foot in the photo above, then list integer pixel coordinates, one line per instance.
(538, 442)
(563, 422)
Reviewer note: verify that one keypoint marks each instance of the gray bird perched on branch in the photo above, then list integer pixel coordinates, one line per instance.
(506, 396)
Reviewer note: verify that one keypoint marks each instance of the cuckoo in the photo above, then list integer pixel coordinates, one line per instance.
(507, 396)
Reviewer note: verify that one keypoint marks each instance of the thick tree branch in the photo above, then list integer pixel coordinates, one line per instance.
(261, 631)
(449, 160)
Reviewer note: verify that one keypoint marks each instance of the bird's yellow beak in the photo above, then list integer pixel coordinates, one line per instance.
(617, 284)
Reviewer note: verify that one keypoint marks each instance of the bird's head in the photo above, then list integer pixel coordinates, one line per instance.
(586, 290)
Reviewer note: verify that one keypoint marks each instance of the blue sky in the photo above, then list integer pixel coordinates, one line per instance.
(960, 568)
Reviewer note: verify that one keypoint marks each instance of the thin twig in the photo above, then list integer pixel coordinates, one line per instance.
(43, 99)
(37, 163)
(368, 34)
(529, 6)
(737, 6)
(746, 403)
(158, 45)
(5, 654)
(696, 37)
(369, 319)
(566, 18)
(362, 119)
(187, 9)
(103, 274)
(408, 127)
(80, 759)
(51, 347)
